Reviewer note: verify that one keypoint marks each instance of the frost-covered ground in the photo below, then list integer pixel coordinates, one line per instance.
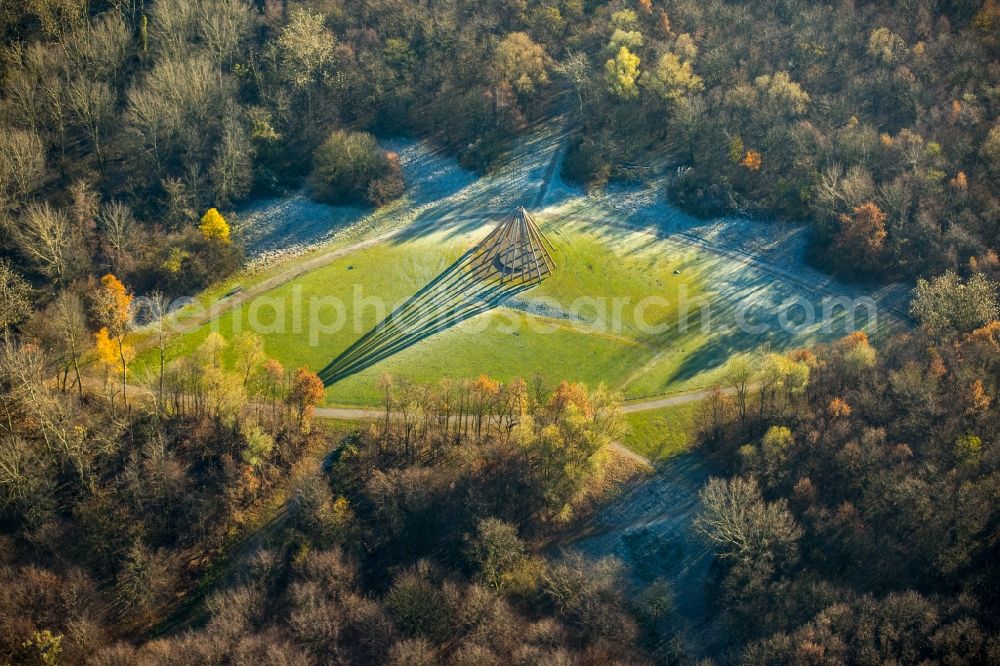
(778, 245)
(278, 228)
(437, 189)
(760, 263)
(445, 195)
(650, 529)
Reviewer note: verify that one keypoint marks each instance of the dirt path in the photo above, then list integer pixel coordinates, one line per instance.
(366, 414)
(553, 166)
(649, 404)
(646, 405)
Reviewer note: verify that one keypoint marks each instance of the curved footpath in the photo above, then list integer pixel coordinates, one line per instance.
(370, 414)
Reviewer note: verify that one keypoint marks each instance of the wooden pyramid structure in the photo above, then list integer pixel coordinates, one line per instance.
(516, 251)
(514, 257)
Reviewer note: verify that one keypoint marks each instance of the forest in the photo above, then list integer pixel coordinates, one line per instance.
(124, 123)
(852, 509)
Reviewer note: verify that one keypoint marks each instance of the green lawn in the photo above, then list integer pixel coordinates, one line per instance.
(506, 342)
(603, 274)
(662, 433)
(378, 221)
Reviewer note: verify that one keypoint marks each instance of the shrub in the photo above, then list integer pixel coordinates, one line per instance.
(586, 164)
(349, 167)
(495, 549)
(390, 186)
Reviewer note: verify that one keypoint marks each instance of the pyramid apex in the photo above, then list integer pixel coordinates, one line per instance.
(516, 250)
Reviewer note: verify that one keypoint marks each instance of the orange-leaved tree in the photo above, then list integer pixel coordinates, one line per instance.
(570, 395)
(862, 234)
(752, 161)
(305, 393)
(113, 310)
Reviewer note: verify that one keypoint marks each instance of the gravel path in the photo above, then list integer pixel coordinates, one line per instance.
(646, 405)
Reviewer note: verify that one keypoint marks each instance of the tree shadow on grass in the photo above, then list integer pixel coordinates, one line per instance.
(466, 288)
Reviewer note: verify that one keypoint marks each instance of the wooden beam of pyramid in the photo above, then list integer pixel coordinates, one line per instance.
(516, 250)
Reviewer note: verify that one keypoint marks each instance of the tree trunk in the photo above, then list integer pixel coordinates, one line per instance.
(121, 354)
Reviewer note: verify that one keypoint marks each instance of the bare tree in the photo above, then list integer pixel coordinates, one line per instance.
(62, 327)
(55, 419)
(22, 164)
(27, 483)
(92, 106)
(119, 234)
(57, 17)
(576, 69)
(231, 171)
(304, 48)
(15, 296)
(37, 87)
(176, 109)
(145, 581)
(129, 9)
(223, 25)
(173, 28)
(17, 466)
(46, 238)
(33, 71)
(69, 317)
(744, 527)
(158, 304)
(739, 374)
(147, 120)
(98, 50)
(179, 203)
(216, 27)
(83, 207)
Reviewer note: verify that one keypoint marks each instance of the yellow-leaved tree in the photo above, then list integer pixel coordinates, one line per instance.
(621, 73)
(521, 62)
(113, 309)
(214, 226)
(673, 79)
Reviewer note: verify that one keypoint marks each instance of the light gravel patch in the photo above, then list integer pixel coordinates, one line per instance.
(550, 310)
(777, 248)
(274, 230)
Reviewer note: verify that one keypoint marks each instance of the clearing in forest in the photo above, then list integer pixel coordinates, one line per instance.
(645, 299)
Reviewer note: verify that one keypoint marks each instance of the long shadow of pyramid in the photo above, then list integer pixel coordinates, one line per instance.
(515, 256)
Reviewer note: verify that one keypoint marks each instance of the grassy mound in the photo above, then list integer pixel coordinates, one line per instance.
(584, 323)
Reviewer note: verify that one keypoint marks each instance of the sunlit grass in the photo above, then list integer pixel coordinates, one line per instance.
(664, 432)
(580, 324)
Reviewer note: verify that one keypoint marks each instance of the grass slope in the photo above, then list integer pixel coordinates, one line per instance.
(662, 433)
(565, 328)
